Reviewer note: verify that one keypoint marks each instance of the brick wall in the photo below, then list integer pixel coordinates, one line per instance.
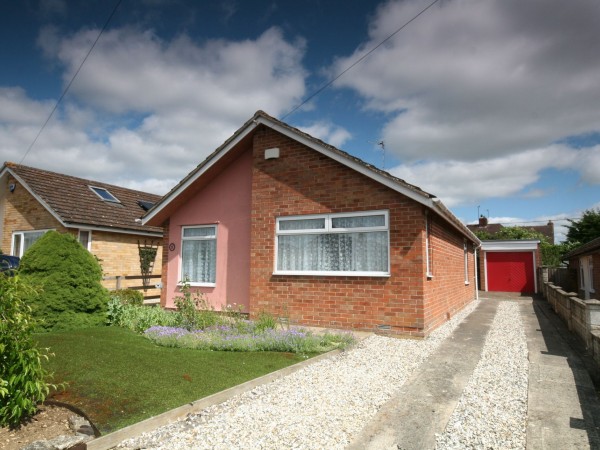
(119, 256)
(302, 181)
(446, 291)
(24, 213)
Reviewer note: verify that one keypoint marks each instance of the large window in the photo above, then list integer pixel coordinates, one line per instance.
(199, 255)
(333, 244)
(22, 240)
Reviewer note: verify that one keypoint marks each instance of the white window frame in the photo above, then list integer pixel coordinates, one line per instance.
(198, 238)
(22, 235)
(330, 230)
(428, 249)
(466, 256)
(89, 242)
(95, 190)
(586, 263)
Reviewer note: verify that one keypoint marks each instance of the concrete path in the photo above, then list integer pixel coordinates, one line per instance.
(563, 408)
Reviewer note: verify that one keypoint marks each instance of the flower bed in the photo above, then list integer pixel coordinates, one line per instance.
(248, 338)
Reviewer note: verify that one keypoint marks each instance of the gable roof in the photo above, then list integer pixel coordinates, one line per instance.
(160, 212)
(588, 247)
(75, 205)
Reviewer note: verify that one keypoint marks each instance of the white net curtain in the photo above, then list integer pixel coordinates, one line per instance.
(333, 250)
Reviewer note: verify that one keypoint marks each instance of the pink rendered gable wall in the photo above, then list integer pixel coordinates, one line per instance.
(225, 201)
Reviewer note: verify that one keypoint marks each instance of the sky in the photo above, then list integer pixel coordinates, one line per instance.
(492, 106)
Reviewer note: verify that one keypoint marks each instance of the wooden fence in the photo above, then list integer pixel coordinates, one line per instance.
(151, 292)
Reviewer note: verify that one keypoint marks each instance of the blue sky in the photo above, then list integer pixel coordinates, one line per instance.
(488, 105)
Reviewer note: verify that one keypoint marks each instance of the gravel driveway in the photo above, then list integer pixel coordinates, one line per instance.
(321, 406)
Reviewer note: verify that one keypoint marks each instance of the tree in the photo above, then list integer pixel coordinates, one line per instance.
(552, 254)
(71, 294)
(585, 229)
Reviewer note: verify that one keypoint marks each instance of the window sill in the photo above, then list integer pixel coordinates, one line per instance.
(332, 274)
(199, 284)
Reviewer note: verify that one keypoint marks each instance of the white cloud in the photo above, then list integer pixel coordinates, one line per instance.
(460, 182)
(143, 111)
(328, 132)
(470, 80)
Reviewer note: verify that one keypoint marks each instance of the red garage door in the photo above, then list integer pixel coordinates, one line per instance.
(510, 272)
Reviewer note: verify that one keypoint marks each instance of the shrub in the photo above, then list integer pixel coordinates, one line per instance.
(22, 383)
(139, 318)
(194, 311)
(128, 296)
(265, 321)
(70, 278)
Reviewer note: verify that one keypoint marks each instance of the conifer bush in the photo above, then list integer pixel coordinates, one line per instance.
(69, 279)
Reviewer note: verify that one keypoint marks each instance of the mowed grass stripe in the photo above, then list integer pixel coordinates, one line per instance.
(119, 378)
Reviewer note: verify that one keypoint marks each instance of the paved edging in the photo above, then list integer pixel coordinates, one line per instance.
(113, 439)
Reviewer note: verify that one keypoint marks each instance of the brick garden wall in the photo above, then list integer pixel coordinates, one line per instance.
(302, 181)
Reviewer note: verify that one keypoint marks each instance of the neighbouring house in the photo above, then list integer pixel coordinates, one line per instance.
(103, 217)
(275, 220)
(492, 228)
(585, 260)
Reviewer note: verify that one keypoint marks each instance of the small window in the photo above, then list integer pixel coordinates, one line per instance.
(104, 194)
(85, 239)
(199, 255)
(428, 249)
(466, 252)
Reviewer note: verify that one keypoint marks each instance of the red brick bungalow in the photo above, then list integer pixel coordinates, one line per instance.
(275, 220)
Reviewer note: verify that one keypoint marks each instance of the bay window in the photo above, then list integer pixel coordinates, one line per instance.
(199, 255)
(333, 244)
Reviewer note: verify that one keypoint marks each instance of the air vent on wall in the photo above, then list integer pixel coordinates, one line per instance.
(272, 153)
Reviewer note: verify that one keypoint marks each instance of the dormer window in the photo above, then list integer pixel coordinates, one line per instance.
(104, 194)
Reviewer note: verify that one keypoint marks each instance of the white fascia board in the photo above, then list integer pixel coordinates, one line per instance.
(84, 226)
(424, 200)
(508, 246)
(38, 198)
(201, 171)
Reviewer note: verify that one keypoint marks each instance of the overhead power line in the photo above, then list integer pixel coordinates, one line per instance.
(66, 89)
(358, 61)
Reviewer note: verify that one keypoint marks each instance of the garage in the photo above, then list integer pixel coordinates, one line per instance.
(510, 266)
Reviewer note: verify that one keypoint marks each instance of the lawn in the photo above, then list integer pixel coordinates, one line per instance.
(119, 378)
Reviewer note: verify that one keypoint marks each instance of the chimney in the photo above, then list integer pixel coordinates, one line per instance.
(483, 221)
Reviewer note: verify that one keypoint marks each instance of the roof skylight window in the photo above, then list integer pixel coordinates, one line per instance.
(104, 194)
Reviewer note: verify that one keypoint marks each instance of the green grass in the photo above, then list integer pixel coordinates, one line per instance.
(119, 378)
